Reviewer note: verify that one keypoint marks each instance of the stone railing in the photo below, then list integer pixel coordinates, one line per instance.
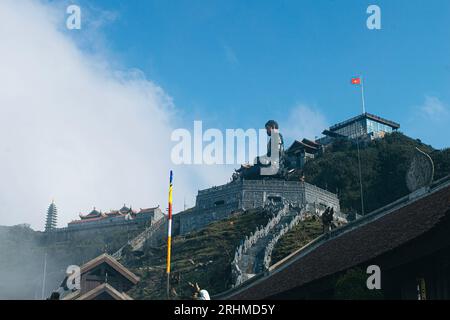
(300, 216)
(137, 242)
(278, 211)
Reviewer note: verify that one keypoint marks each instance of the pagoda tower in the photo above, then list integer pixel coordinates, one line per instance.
(52, 212)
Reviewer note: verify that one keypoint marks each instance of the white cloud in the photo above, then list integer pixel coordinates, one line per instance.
(428, 121)
(433, 109)
(77, 130)
(304, 122)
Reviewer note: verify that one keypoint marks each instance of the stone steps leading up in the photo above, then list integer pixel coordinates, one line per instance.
(254, 261)
(138, 242)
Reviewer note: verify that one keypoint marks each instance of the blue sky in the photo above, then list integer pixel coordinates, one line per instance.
(238, 63)
(88, 102)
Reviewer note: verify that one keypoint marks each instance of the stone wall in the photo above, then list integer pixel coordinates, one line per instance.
(218, 203)
(69, 234)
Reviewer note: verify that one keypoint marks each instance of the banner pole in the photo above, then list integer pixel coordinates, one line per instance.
(362, 95)
(169, 235)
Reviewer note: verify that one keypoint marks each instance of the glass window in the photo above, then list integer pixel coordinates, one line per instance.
(373, 126)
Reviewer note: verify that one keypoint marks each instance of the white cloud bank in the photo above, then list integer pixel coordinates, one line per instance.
(434, 109)
(75, 130)
(304, 122)
(429, 121)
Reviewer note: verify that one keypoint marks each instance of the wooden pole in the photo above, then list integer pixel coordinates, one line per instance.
(169, 235)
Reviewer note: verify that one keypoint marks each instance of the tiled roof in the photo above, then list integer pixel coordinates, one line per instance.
(366, 115)
(305, 144)
(106, 258)
(148, 210)
(86, 220)
(113, 213)
(113, 263)
(124, 209)
(353, 247)
(91, 295)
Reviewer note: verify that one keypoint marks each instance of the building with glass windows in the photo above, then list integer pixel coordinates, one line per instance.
(364, 125)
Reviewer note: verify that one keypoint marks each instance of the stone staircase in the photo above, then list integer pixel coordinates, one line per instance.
(137, 243)
(254, 255)
(245, 265)
(252, 261)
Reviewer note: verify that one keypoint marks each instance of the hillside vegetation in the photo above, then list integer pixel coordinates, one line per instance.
(384, 163)
(299, 236)
(204, 257)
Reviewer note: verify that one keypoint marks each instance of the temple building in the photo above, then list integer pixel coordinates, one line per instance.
(103, 278)
(113, 217)
(98, 221)
(302, 151)
(365, 125)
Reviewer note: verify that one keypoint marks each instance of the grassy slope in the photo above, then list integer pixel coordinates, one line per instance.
(203, 257)
(300, 235)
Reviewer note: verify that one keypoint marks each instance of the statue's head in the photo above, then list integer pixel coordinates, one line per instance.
(271, 125)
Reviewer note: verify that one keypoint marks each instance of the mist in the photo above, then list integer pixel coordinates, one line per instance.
(78, 130)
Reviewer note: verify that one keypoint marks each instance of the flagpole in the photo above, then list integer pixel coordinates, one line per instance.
(169, 235)
(362, 95)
